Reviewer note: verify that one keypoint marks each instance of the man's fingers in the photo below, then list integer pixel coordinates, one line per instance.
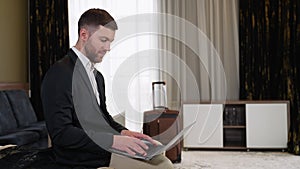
(142, 144)
(130, 145)
(138, 147)
(151, 140)
(129, 151)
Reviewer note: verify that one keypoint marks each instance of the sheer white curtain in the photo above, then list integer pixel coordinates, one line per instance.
(210, 53)
(128, 86)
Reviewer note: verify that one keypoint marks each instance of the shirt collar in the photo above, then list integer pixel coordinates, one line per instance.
(84, 60)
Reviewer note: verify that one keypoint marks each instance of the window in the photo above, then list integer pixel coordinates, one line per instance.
(125, 91)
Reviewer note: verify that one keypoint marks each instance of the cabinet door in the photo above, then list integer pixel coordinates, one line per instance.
(208, 129)
(266, 125)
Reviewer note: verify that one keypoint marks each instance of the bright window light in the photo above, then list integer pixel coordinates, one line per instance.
(138, 92)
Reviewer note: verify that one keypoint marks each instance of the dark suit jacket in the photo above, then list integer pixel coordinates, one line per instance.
(70, 130)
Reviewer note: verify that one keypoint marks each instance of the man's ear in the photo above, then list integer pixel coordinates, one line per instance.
(84, 34)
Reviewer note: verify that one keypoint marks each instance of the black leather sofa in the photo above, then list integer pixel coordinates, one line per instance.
(18, 121)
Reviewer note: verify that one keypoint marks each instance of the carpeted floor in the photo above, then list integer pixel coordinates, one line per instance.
(237, 160)
(231, 160)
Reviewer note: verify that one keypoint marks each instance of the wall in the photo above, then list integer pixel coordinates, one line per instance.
(13, 43)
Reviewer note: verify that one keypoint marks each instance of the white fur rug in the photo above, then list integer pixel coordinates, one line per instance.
(237, 160)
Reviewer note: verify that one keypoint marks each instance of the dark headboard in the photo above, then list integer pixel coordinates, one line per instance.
(14, 86)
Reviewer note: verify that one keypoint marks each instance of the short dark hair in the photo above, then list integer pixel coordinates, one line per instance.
(96, 17)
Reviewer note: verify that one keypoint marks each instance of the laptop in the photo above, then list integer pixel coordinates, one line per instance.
(154, 150)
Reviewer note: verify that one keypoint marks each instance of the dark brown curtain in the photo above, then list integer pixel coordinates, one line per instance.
(270, 56)
(49, 41)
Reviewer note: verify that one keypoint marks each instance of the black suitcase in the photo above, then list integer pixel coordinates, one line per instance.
(163, 124)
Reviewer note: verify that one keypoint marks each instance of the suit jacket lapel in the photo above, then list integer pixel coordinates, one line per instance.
(80, 71)
(81, 75)
(100, 85)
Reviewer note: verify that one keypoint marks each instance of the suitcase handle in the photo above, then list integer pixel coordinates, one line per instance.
(157, 106)
(160, 82)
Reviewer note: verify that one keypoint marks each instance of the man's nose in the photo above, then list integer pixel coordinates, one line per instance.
(107, 46)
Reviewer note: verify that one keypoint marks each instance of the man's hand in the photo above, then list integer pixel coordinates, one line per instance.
(138, 135)
(129, 144)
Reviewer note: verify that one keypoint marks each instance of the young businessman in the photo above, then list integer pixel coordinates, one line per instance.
(62, 100)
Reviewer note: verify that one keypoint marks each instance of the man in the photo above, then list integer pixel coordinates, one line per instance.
(81, 133)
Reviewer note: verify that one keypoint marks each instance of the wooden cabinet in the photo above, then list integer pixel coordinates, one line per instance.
(237, 125)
